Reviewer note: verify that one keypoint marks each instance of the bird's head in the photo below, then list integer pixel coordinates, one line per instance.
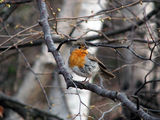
(80, 44)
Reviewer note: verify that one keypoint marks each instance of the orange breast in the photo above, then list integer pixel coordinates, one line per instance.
(77, 58)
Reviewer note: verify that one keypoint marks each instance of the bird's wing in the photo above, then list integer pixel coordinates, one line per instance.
(93, 58)
(101, 65)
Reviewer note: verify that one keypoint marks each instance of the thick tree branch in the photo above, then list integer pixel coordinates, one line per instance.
(113, 95)
(92, 87)
(25, 110)
(50, 43)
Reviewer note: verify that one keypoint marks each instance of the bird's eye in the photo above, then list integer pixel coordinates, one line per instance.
(79, 47)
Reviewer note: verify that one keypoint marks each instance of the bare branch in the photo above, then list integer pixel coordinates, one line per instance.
(25, 110)
(129, 28)
(108, 111)
(114, 95)
(62, 41)
(50, 43)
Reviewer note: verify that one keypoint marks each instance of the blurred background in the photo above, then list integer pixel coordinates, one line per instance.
(127, 37)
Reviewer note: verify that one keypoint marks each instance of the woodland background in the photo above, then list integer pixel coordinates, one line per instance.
(124, 34)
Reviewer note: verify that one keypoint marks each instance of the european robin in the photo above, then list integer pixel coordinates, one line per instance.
(85, 64)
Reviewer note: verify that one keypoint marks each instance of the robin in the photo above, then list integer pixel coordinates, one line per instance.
(85, 64)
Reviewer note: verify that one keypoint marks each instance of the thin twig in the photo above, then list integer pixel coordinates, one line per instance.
(110, 110)
(36, 77)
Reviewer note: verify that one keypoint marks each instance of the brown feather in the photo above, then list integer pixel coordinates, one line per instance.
(101, 65)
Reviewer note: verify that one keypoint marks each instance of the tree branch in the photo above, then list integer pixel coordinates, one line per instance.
(116, 32)
(114, 95)
(64, 40)
(25, 110)
(129, 28)
(50, 43)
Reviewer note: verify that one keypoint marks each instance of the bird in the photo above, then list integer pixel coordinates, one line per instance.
(85, 64)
